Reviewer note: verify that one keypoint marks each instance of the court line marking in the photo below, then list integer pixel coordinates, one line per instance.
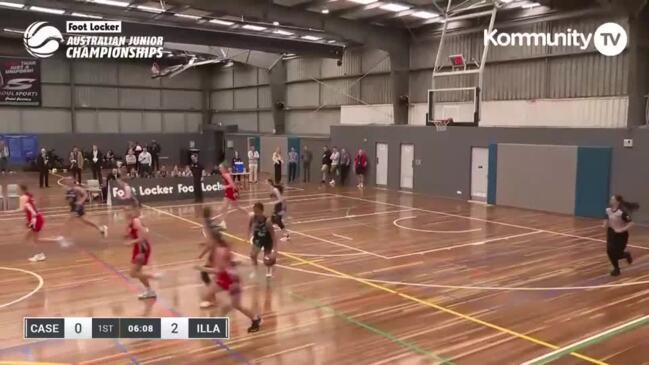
(343, 237)
(396, 223)
(348, 216)
(559, 353)
(403, 343)
(336, 244)
(326, 255)
(38, 287)
(482, 220)
(477, 243)
(412, 298)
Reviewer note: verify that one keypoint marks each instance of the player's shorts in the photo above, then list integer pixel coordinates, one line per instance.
(231, 194)
(78, 209)
(266, 244)
(38, 225)
(228, 280)
(141, 253)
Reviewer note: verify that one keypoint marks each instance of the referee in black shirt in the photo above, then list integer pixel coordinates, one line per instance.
(197, 174)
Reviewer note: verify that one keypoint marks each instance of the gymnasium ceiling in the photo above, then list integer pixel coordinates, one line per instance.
(319, 27)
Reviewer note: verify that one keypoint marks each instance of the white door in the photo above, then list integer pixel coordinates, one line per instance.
(382, 164)
(479, 173)
(407, 162)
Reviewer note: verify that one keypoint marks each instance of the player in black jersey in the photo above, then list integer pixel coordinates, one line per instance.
(262, 236)
(279, 207)
(76, 197)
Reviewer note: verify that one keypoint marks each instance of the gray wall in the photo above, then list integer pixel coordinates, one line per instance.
(94, 97)
(446, 156)
(527, 172)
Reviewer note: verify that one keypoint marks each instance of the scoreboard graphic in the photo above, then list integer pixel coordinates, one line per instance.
(166, 328)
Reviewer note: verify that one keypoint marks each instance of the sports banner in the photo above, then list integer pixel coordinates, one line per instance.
(20, 81)
(165, 188)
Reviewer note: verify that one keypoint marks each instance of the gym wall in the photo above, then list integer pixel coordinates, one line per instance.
(445, 157)
(571, 179)
(315, 144)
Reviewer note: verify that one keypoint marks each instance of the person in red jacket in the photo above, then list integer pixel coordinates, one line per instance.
(360, 165)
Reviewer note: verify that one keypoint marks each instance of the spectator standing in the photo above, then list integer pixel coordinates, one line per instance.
(236, 160)
(95, 162)
(292, 164)
(145, 163)
(277, 162)
(76, 164)
(360, 165)
(345, 163)
(326, 163)
(197, 174)
(154, 150)
(253, 164)
(4, 156)
(307, 157)
(335, 161)
(43, 165)
(131, 162)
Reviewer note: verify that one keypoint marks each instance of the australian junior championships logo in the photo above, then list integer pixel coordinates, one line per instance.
(42, 40)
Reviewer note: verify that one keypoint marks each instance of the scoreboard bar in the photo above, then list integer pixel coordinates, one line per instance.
(167, 328)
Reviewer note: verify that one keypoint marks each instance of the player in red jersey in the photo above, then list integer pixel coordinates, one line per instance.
(35, 222)
(221, 265)
(231, 194)
(137, 235)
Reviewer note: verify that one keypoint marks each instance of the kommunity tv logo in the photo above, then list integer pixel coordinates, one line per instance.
(610, 39)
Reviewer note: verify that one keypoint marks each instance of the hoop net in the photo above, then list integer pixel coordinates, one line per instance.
(441, 124)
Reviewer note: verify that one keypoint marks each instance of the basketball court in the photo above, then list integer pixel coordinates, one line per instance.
(375, 277)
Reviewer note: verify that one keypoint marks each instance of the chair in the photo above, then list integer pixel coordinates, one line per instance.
(12, 193)
(94, 187)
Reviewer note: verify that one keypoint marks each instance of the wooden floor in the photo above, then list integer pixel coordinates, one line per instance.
(371, 277)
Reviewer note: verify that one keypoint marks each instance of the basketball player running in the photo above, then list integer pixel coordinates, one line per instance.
(137, 235)
(76, 197)
(279, 207)
(617, 227)
(263, 237)
(220, 265)
(35, 222)
(231, 194)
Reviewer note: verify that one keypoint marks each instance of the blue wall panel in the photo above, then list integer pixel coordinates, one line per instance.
(593, 181)
(492, 178)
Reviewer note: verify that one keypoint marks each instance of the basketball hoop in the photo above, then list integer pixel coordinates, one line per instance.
(441, 124)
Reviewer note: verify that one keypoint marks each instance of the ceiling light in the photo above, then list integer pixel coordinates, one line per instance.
(150, 9)
(282, 32)
(289, 55)
(110, 2)
(395, 7)
(310, 38)
(187, 16)
(276, 24)
(11, 5)
(531, 5)
(10, 30)
(220, 22)
(364, 2)
(506, 1)
(46, 10)
(325, 11)
(82, 15)
(424, 14)
(331, 41)
(257, 28)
